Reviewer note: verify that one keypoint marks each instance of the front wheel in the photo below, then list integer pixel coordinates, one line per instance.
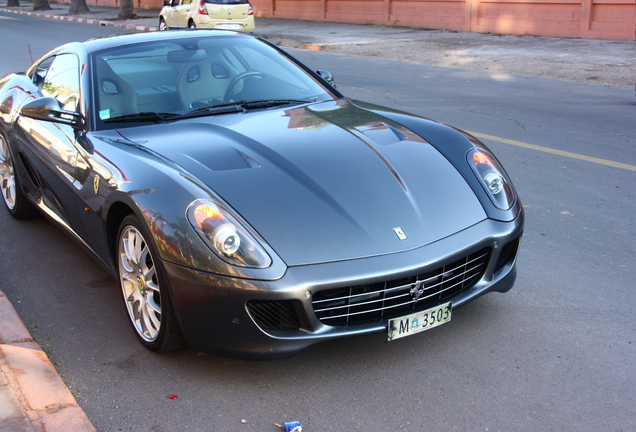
(162, 24)
(146, 289)
(14, 199)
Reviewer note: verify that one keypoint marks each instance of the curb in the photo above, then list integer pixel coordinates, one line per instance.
(34, 396)
(82, 20)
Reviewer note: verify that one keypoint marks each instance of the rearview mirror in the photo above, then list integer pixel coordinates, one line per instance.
(186, 56)
(48, 109)
(327, 76)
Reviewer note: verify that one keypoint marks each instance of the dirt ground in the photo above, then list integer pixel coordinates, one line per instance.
(596, 61)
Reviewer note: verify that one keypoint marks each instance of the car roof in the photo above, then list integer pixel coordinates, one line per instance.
(104, 42)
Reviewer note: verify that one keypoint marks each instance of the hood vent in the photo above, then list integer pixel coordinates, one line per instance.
(382, 133)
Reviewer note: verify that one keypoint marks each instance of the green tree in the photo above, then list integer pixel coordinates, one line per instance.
(78, 7)
(39, 5)
(127, 10)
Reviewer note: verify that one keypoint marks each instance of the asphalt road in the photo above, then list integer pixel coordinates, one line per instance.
(556, 353)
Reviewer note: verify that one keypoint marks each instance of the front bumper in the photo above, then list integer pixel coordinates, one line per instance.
(246, 24)
(214, 314)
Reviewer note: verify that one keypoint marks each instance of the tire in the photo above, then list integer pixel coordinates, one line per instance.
(162, 24)
(14, 199)
(145, 289)
(192, 25)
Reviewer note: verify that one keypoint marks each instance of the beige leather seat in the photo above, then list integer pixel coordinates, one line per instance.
(203, 83)
(116, 97)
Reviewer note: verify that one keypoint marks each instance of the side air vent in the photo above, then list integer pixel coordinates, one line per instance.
(274, 315)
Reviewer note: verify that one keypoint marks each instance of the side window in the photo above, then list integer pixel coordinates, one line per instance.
(40, 71)
(62, 81)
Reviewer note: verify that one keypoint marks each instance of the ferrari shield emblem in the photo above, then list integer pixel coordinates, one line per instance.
(96, 184)
(400, 233)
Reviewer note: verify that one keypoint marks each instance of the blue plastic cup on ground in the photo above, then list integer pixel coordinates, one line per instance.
(293, 426)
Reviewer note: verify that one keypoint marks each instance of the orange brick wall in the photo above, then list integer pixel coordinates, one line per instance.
(596, 19)
(600, 19)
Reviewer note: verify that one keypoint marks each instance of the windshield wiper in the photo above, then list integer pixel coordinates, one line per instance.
(225, 108)
(266, 103)
(243, 106)
(143, 117)
(217, 109)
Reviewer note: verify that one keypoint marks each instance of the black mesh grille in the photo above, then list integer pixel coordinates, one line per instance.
(390, 299)
(508, 253)
(274, 315)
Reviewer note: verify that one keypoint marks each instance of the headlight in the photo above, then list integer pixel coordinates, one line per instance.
(493, 178)
(227, 238)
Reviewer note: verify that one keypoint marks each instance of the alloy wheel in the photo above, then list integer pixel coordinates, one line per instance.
(7, 179)
(139, 283)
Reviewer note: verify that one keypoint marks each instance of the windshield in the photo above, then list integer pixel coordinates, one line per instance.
(174, 78)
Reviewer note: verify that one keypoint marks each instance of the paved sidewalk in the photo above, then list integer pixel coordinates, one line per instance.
(33, 397)
(98, 15)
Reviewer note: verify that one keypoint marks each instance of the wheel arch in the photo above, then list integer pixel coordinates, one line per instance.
(116, 214)
(163, 20)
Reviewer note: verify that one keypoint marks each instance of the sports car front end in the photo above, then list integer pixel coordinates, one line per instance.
(314, 303)
(330, 220)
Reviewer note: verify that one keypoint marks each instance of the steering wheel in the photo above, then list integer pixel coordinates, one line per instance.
(240, 77)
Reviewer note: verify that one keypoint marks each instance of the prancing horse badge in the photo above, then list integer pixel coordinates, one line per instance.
(400, 233)
(96, 184)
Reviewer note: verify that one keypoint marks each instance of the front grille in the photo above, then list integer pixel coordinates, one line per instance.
(394, 298)
(274, 315)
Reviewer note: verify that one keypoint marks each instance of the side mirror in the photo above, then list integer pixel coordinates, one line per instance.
(326, 75)
(48, 109)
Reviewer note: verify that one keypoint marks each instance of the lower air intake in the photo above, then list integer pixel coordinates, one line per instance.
(274, 315)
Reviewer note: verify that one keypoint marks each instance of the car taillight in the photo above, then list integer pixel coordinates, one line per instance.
(202, 9)
(250, 11)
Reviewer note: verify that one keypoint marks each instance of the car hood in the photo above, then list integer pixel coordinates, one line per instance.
(323, 182)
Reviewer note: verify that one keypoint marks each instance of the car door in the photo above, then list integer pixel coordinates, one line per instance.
(169, 13)
(182, 12)
(50, 148)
